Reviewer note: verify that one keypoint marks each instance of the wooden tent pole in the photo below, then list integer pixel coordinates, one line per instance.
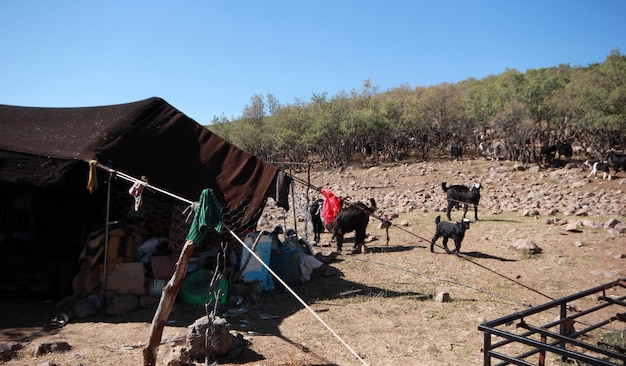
(170, 291)
(106, 237)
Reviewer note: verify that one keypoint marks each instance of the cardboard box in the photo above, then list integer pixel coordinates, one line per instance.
(126, 278)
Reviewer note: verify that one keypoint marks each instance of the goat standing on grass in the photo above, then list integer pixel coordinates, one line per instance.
(353, 217)
(460, 194)
(449, 230)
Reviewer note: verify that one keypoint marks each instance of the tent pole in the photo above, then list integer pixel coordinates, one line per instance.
(308, 201)
(293, 203)
(106, 234)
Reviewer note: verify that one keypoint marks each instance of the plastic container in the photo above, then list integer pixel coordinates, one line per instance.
(196, 288)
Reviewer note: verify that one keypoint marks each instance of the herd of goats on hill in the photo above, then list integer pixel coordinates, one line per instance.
(355, 216)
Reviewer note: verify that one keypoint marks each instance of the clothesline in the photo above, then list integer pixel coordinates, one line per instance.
(136, 180)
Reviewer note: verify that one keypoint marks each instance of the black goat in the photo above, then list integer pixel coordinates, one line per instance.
(448, 230)
(616, 161)
(547, 153)
(318, 226)
(564, 148)
(460, 194)
(352, 217)
(456, 152)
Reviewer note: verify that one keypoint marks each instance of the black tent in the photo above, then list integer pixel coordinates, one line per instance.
(45, 155)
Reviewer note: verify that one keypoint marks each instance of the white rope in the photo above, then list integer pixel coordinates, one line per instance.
(297, 297)
(135, 180)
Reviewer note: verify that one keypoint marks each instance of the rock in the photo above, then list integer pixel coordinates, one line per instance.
(578, 244)
(48, 363)
(573, 226)
(9, 350)
(122, 304)
(176, 356)
(534, 169)
(442, 297)
(548, 212)
(221, 342)
(611, 223)
(525, 244)
(52, 346)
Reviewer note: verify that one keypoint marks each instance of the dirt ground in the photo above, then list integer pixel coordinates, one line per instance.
(379, 305)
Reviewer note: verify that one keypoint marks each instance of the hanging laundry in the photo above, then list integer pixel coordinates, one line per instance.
(92, 183)
(208, 216)
(137, 190)
(330, 207)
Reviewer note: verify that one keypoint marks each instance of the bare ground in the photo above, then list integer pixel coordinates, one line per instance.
(380, 305)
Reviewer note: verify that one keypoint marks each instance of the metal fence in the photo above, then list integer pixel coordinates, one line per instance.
(531, 336)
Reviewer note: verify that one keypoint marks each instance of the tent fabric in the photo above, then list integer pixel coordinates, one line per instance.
(39, 146)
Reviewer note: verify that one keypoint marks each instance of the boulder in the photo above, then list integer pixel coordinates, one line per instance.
(220, 343)
(525, 244)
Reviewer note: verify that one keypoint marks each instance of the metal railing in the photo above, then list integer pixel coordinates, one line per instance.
(568, 343)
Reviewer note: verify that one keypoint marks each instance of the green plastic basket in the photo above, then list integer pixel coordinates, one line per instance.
(196, 288)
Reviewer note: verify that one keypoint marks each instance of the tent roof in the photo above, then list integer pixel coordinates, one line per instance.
(148, 137)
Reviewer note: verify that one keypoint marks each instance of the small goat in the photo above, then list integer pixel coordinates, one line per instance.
(448, 230)
(460, 194)
(318, 226)
(598, 166)
(353, 217)
(617, 161)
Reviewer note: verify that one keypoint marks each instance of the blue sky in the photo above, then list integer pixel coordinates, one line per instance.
(208, 58)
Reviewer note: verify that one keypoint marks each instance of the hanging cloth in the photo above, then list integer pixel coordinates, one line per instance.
(208, 216)
(137, 190)
(282, 183)
(92, 183)
(330, 207)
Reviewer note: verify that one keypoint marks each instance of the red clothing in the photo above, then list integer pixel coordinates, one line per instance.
(331, 206)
